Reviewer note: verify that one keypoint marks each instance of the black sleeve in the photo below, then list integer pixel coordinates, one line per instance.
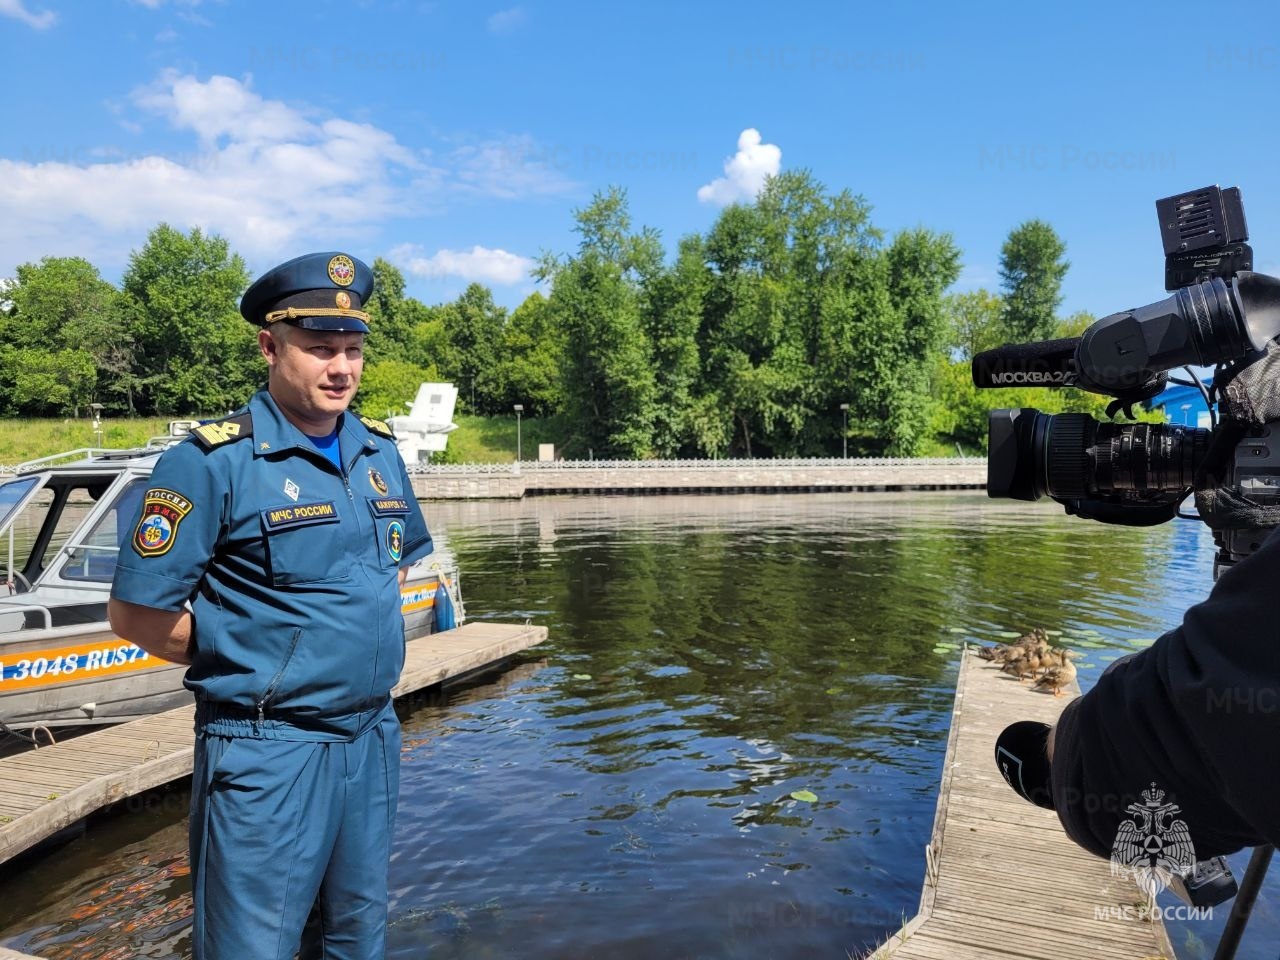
(1196, 716)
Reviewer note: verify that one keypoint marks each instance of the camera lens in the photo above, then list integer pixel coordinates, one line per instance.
(1071, 456)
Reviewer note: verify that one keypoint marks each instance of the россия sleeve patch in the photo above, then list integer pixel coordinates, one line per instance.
(174, 534)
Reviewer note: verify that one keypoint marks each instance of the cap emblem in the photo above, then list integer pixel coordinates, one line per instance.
(343, 299)
(341, 270)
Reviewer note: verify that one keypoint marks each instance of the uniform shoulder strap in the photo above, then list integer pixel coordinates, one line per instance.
(218, 432)
(376, 426)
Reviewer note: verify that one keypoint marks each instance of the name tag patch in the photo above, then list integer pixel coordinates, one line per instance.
(389, 506)
(297, 515)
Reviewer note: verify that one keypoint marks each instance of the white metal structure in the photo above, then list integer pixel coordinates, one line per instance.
(425, 429)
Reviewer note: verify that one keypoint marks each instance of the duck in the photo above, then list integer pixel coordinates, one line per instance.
(1059, 675)
(1001, 652)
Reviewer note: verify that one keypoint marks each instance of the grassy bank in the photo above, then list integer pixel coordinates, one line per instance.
(477, 439)
(28, 439)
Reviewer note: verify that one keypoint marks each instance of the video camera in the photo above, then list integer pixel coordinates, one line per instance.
(1221, 313)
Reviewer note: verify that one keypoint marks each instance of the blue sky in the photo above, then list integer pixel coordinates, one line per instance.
(457, 138)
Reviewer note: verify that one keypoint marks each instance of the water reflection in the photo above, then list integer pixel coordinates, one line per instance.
(629, 789)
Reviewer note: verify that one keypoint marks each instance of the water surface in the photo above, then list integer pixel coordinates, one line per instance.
(625, 790)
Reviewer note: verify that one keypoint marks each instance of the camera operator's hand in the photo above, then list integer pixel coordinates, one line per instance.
(1189, 727)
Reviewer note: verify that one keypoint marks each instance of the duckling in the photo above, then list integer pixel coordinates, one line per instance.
(1058, 676)
(1001, 652)
(1026, 664)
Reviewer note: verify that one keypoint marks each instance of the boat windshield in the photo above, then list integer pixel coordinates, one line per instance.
(12, 494)
(92, 558)
(50, 518)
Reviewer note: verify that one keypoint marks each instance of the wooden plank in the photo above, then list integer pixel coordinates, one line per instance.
(113, 764)
(1002, 880)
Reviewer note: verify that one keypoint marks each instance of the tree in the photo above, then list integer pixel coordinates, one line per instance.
(921, 266)
(596, 300)
(530, 358)
(391, 316)
(975, 323)
(672, 312)
(808, 309)
(472, 327)
(387, 385)
(195, 353)
(46, 382)
(62, 304)
(48, 298)
(1031, 272)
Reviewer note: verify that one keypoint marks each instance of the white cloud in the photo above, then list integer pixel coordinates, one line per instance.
(17, 9)
(479, 263)
(515, 166)
(744, 172)
(268, 175)
(505, 21)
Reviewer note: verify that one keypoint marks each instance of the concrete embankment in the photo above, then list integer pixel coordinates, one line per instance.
(639, 477)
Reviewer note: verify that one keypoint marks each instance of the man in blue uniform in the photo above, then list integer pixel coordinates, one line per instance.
(268, 555)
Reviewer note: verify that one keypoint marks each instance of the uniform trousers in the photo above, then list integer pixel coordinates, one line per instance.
(290, 841)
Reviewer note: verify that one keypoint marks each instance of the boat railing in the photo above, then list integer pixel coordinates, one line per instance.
(67, 456)
(83, 632)
(92, 454)
(24, 609)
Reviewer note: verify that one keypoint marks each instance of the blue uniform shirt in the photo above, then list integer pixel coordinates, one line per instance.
(290, 566)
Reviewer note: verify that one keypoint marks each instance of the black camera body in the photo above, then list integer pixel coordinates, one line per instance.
(1220, 313)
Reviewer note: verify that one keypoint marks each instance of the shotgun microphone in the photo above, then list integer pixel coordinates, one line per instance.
(1048, 363)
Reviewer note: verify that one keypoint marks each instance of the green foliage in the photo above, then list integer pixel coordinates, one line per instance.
(391, 316)
(596, 300)
(672, 304)
(531, 353)
(59, 331)
(1031, 272)
(387, 385)
(50, 299)
(194, 352)
(493, 439)
(49, 381)
(747, 343)
(807, 309)
(467, 347)
(974, 323)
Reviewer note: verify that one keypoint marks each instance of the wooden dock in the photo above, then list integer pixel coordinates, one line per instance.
(46, 790)
(1001, 878)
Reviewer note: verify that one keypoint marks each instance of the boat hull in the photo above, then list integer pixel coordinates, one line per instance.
(72, 676)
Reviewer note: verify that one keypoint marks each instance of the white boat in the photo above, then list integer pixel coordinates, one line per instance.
(62, 522)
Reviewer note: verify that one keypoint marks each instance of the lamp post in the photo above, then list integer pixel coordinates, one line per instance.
(1185, 408)
(844, 429)
(519, 409)
(97, 421)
